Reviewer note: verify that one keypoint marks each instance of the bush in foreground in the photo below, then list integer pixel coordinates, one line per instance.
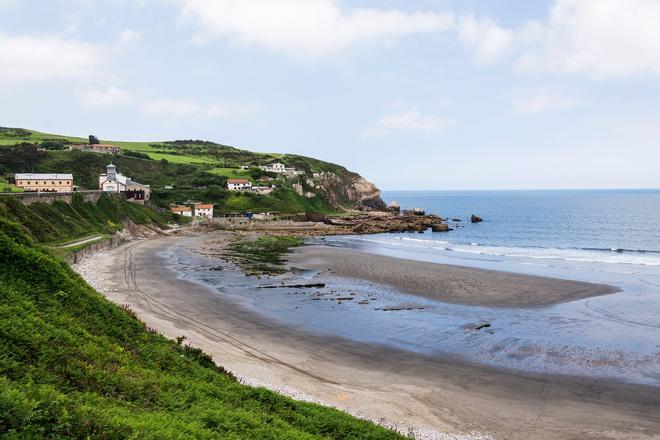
(74, 365)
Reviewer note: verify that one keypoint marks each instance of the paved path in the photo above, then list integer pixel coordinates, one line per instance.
(79, 242)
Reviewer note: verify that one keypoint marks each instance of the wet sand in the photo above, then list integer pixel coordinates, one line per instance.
(444, 282)
(433, 395)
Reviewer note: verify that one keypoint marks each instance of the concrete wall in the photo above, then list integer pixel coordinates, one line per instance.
(99, 246)
(29, 198)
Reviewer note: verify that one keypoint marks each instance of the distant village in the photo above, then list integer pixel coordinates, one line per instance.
(112, 181)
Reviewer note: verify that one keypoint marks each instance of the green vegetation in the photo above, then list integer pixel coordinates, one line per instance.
(193, 167)
(8, 187)
(74, 365)
(12, 136)
(231, 173)
(137, 154)
(63, 222)
(263, 255)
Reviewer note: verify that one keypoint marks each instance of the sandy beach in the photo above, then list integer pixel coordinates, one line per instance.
(432, 397)
(447, 283)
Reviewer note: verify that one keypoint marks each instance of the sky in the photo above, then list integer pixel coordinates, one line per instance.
(412, 94)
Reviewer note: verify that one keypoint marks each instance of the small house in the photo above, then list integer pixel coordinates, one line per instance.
(203, 210)
(184, 211)
(239, 185)
(275, 167)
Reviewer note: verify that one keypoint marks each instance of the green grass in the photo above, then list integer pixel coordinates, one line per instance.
(8, 187)
(176, 158)
(63, 222)
(74, 365)
(264, 255)
(231, 173)
(11, 136)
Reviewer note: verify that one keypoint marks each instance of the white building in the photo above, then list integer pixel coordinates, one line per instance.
(275, 167)
(203, 210)
(239, 185)
(185, 211)
(112, 181)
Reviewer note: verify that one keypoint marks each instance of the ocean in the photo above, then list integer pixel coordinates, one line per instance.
(608, 226)
(609, 237)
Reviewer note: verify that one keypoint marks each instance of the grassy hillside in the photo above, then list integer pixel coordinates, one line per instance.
(62, 222)
(74, 365)
(191, 166)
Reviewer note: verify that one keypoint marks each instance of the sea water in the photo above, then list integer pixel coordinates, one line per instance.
(610, 237)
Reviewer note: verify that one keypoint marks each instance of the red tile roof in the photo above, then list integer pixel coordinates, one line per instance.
(203, 206)
(238, 181)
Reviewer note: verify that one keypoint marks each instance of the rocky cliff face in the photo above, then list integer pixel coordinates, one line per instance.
(348, 190)
(365, 194)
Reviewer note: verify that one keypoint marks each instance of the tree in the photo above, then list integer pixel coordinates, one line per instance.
(93, 140)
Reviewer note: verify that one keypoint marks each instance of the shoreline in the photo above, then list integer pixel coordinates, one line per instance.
(394, 388)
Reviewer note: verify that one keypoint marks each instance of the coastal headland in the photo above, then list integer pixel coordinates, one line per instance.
(427, 396)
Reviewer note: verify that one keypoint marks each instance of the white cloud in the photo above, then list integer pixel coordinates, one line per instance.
(107, 97)
(172, 107)
(596, 37)
(488, 40)
(44, 58)
(409, 120)
(311, 27)
(129, 36)
(539, 102)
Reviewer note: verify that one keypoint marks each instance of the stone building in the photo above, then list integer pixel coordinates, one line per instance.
(44, 182)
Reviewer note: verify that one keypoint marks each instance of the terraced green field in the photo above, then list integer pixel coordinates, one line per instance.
(230, 173)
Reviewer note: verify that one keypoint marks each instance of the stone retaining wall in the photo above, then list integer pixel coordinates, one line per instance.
(29, 198)
(98, 246)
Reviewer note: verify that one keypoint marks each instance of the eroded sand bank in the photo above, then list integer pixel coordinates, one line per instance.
(432, 395)
(447, 283)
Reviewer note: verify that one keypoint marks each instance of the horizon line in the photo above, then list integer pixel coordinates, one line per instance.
(528, 189)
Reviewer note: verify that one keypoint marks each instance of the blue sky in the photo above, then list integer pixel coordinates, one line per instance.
(428, 94)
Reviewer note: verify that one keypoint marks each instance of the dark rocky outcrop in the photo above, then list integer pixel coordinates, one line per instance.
(476, 219)
(315, 217)
(441, 227)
